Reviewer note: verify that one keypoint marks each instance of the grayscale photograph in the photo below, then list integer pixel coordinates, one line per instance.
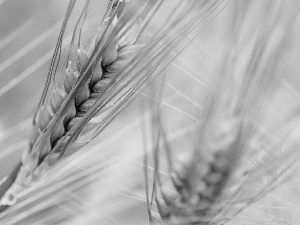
(150, 112)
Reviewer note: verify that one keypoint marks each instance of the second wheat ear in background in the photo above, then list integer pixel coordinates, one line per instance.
(233, 161)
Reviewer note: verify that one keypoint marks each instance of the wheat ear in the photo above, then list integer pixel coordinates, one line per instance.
(212, 185)
(199, 179)
(114, 57)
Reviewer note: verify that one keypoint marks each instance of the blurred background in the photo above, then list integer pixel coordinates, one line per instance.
(104, 183)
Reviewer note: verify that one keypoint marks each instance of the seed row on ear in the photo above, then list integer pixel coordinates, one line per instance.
(208, 188)
(86, 96)
(198, 182)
